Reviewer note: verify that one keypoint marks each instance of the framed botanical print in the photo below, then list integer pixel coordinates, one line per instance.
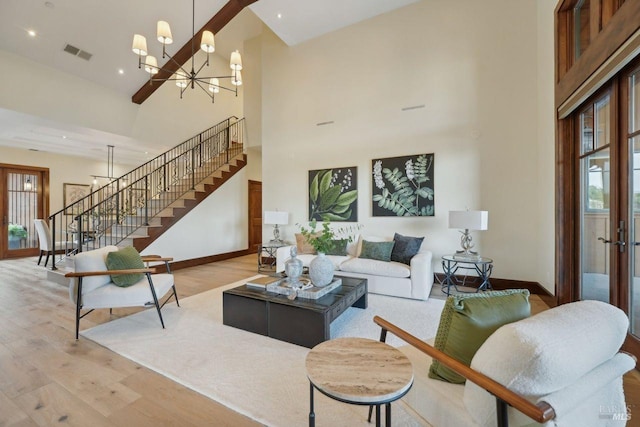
(333, 194)
(403, 186)
(71, 194)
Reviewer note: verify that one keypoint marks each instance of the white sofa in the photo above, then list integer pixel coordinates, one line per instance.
(388, 278)
(565, 363)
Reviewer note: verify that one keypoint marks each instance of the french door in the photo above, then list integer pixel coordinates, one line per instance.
(23, 198)
(607, 134)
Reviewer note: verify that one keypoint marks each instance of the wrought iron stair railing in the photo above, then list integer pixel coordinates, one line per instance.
(120, 209)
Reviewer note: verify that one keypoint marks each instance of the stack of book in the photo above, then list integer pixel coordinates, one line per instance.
(263, 282)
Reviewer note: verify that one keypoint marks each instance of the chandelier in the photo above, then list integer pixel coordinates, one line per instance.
(182, 77)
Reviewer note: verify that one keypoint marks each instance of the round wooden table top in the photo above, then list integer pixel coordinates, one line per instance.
(359, 370)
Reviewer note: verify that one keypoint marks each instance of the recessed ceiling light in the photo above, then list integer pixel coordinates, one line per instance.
(120, 71)
(31, 33)
(64, 136)
(279, 15)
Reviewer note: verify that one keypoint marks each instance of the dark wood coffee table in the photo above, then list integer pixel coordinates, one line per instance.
(303, 322)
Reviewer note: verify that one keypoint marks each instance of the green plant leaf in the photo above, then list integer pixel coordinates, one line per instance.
(340, 209)
(328, 198)
(333, 217)
(347, 198)
(313, 188)
(376, 197)
(325, 181)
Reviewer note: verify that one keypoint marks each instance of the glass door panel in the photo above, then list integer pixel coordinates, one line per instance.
(595, 263)
(22, 209)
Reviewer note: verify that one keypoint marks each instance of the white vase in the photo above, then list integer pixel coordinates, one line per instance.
(321, 270)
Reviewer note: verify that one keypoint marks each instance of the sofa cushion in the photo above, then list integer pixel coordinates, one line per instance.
(466, 322)
(361, 238)
(546, 352)
(405, 248)
(376, 268)
(125, 259)
(304, 247)
(380, 251)
(335, 259)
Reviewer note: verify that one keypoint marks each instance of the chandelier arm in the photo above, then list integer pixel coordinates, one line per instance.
(203, 88)
(206, 79)
(169, 71)
(201, 67)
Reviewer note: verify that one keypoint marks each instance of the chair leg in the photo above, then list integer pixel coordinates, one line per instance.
(40, 258)
(175, 294)
(47, 258)
(155, 298)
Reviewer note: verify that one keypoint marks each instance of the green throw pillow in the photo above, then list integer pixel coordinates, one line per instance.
(466, 322)
(125, 259)
(380, 251)
(339, 247)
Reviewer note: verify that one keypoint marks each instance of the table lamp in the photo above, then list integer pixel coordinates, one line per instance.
(468, 220)
(276, 218)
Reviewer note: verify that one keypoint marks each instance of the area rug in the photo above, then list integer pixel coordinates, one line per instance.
(260, 377)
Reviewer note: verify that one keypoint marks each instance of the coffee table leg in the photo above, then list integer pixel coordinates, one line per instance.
(377, 415)
(312, 415)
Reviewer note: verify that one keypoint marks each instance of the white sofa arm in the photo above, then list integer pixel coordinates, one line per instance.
(421, 275)
(282, 255)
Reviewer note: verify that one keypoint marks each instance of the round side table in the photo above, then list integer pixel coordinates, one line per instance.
(359, 371)
(452, 263)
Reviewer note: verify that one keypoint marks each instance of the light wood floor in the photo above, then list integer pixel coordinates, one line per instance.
(47, 377)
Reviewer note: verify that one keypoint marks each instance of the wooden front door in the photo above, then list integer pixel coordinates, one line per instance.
(23, 198)
(255, 214)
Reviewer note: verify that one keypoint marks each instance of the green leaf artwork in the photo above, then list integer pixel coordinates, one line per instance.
(333, 194)
(403, 186)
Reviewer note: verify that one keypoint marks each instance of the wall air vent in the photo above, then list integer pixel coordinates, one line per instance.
(77, 52)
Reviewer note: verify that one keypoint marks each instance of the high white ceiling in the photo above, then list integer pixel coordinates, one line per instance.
(105, 29)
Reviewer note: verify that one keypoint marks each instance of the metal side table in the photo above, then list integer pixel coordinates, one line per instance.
(452, 263)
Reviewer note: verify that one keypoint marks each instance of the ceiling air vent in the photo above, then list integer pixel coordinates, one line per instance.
(77, 52)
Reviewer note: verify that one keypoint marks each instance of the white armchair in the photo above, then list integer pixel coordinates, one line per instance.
(562, 367)
(91, 286)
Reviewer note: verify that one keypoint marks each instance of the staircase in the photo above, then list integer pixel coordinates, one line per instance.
(138, 207)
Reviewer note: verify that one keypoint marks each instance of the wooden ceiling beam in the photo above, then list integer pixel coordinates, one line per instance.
(215, 24)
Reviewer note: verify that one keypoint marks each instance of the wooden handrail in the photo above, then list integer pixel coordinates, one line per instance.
(540, 412)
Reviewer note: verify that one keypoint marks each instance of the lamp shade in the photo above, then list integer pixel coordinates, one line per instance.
(469, 220)
(236, 61)
(275, 217)
(214, 85)
(164, 33)
(236, 80)
(151, 64)
(139, 45)
(207, 43)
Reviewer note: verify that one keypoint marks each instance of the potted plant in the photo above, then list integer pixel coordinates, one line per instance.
(323, 241)
(16, 234)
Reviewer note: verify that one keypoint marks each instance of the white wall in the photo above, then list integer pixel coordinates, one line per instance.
(474, 65)
(219, 224)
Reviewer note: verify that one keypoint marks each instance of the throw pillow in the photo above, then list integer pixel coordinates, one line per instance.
(339, 247)
(125, 259)
(466, 322)
(304, 247)
(380, 251)
(405, 248)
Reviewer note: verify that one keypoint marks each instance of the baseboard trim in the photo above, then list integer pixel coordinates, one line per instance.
(502, 284)
(193, 262)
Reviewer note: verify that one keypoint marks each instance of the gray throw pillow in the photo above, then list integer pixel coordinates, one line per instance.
(339, 247)
(380, 251)
(405, 248)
